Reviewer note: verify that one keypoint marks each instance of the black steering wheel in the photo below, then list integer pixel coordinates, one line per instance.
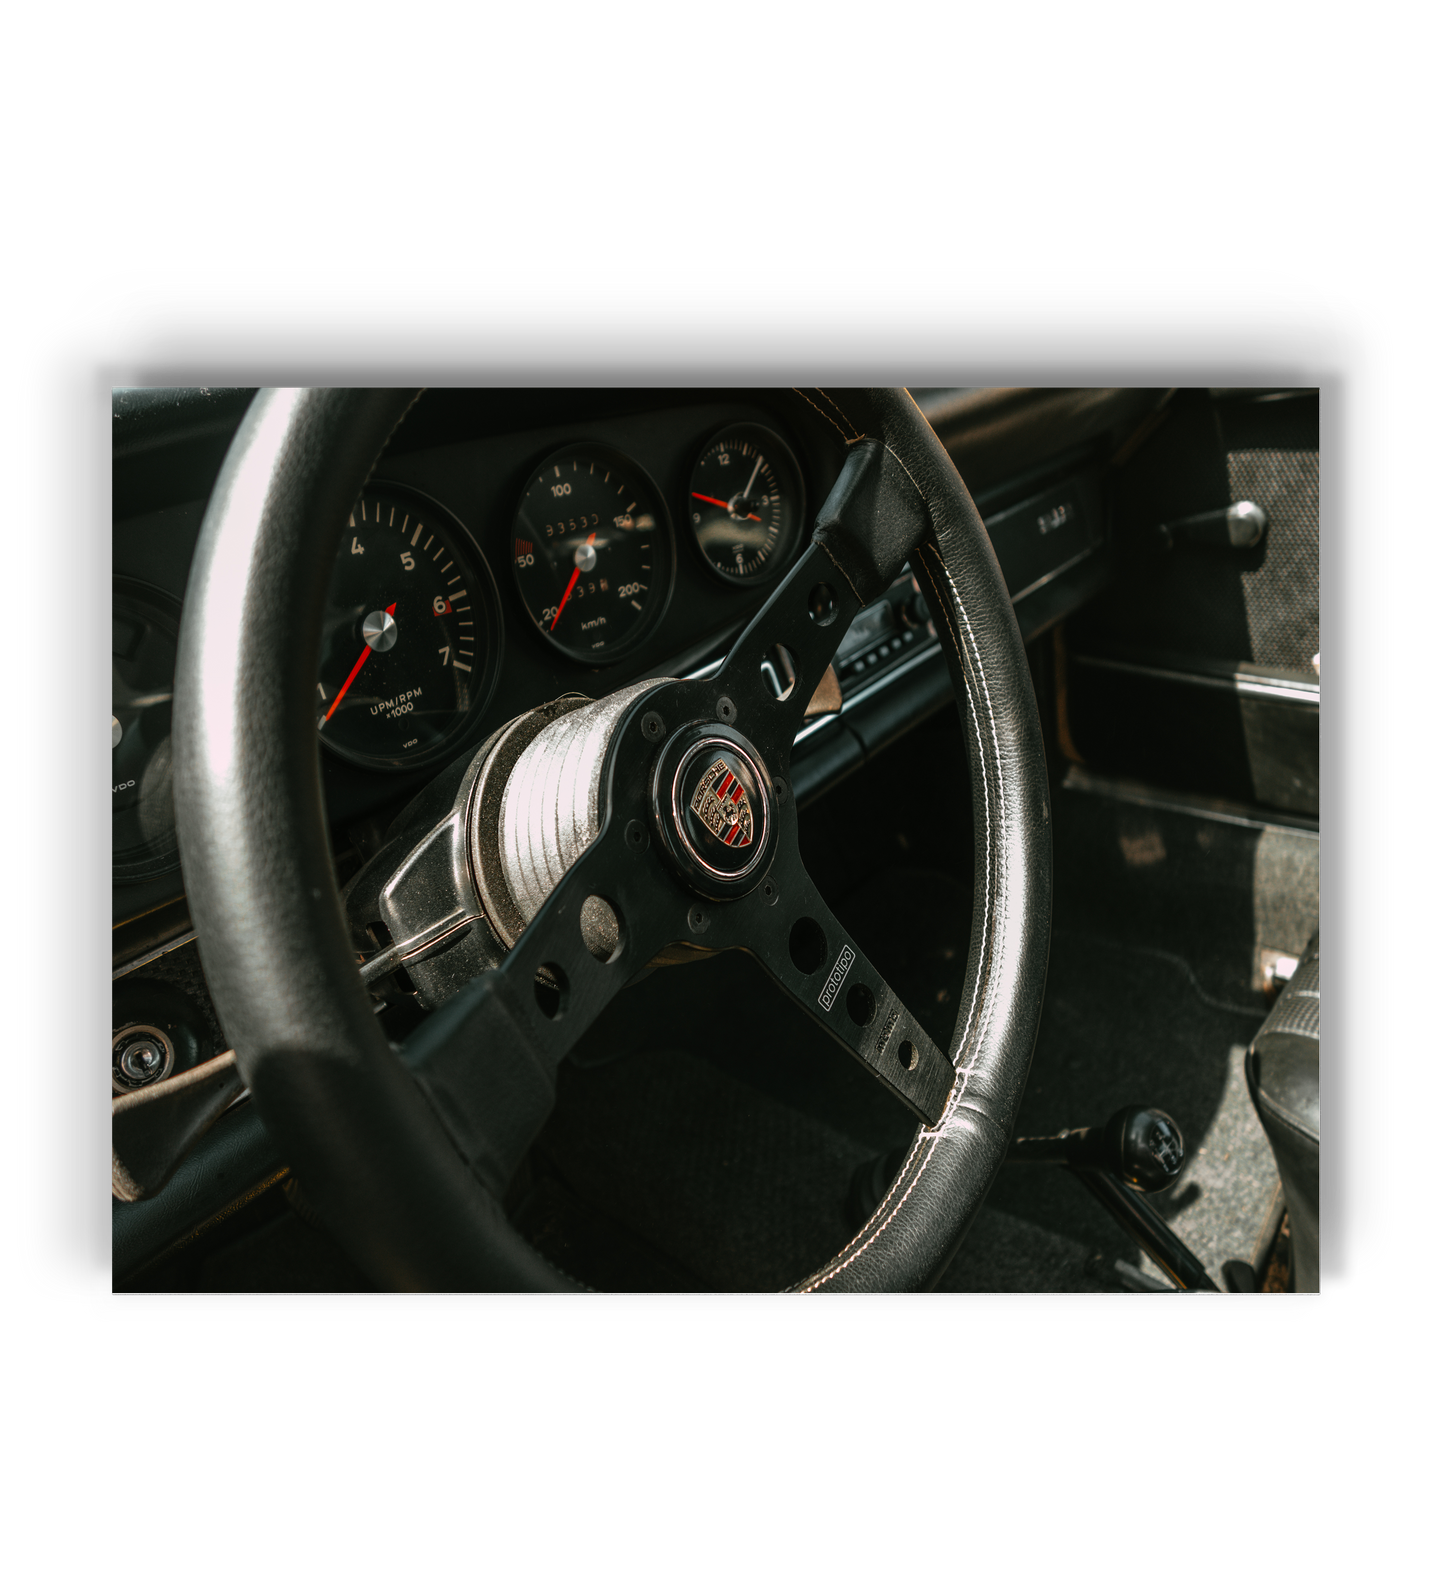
(406, 1153)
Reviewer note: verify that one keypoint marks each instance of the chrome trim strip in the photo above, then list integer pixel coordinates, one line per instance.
(906, 666)
(1053, 574)
(1082, 782)
(1279, 692)
(152, 955)
(394, 955)
(1239, 684)
(815, 724)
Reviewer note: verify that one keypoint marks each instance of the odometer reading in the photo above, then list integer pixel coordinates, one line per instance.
(406, 647)
(591, 553)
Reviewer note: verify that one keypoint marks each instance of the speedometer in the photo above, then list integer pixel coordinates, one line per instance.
(592, 553)
(409, 644)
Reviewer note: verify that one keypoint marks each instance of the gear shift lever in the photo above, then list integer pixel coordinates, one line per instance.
(1137, 1150)
(1141, 1146)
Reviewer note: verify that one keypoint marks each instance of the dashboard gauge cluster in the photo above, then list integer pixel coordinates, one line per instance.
(640, 535)
(413, 637)
(411, 640)
(592, 546)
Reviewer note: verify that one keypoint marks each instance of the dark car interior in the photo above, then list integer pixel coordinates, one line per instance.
(517, 549)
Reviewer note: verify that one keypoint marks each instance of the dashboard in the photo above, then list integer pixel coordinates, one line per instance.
(516, 546)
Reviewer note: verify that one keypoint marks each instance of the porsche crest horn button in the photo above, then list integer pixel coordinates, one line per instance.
(721, 801)
(713, 809)
(718, 805)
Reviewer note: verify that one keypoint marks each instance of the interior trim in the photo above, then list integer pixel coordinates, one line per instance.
(152, 955)
(1134, 793)
(1270, 687)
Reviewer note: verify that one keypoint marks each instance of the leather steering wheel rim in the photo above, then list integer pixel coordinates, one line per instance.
(375, 1159)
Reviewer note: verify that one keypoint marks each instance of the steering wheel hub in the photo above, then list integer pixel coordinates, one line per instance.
(713, 807)
(551, 809)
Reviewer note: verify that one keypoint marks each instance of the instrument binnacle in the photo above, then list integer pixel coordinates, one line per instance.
(413, 641)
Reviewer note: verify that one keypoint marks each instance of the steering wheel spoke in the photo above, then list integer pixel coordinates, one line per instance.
(813, 958)
(805, 619)
(487, 1059)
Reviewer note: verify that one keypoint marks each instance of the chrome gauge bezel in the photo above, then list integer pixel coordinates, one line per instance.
(487, 604)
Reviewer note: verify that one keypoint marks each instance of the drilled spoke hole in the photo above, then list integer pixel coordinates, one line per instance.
(601, 927)
(807, 945)
(907, 1055)
(550, 987)
(822, 605)
(780, 672)
(862, 1006)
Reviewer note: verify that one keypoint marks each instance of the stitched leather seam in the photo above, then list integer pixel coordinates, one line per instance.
(962, 1079)
(881, 1221)
(837, 407)
(420, 393)
(836, 426)
(557, 1269)
(843, 1263)
(829, 398)
(907, 471)
(998, 768)
(858, 435)
(970, 671)
(843, 574)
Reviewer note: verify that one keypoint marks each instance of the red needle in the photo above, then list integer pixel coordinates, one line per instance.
(570, 584)
(365, 653)
(719, 504)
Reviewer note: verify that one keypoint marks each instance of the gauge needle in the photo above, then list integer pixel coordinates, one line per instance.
(365, 653)
(571, 585)
(717, 502)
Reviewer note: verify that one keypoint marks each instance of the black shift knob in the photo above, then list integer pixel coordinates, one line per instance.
(1139, 1145)
(1143, 1147)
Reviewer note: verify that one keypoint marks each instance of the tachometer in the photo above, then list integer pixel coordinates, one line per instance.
(592, 553)
(410, 640)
